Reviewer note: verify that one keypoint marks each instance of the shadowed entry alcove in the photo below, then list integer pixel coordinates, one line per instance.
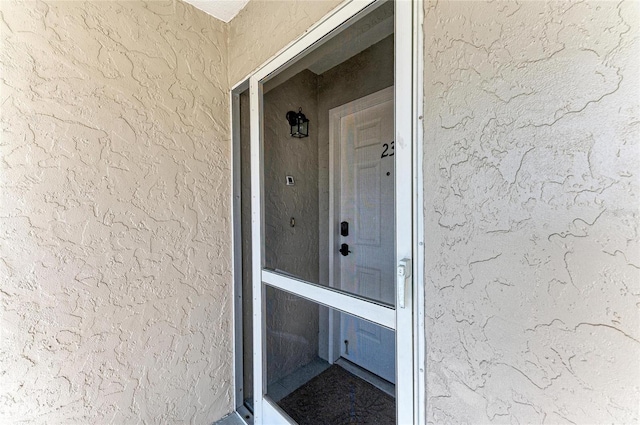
(328, 205)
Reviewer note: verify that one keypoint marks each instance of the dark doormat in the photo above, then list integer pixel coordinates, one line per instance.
(338, 397)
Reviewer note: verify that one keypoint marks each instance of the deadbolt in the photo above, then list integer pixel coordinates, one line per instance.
(344, 228)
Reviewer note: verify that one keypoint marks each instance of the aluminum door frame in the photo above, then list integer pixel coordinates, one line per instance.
(403, 320)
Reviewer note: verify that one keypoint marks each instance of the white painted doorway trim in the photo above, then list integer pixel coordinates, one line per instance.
(408, 94)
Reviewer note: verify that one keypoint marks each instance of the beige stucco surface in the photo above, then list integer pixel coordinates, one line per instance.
(114, 214)
(531, 203)
(264, 27)
(114, 208)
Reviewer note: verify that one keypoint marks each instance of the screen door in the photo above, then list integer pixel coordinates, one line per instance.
(331, 170)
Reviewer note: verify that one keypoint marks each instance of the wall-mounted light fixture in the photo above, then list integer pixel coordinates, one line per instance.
(299, 124)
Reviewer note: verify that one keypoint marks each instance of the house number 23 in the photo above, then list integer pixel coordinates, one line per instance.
(386, 152)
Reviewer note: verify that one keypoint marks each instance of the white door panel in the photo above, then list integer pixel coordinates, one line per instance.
(367, 172)
(366, 187)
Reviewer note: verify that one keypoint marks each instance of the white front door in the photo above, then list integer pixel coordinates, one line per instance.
(366, 233)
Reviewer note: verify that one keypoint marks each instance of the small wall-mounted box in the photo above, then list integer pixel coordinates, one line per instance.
(290, 181)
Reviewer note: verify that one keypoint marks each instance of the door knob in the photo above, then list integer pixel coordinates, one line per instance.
(344, 249)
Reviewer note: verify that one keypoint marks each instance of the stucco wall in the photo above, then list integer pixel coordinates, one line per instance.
(531, 201)
(114, 214)
(264, 27)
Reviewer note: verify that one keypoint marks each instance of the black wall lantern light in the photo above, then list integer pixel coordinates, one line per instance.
(299, 124)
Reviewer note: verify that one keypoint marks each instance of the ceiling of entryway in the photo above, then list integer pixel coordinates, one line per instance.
(224, 10)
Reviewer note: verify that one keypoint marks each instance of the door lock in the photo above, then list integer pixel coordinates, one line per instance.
(344, 249)
(344, 228)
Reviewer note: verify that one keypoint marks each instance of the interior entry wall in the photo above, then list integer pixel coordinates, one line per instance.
(291, 222)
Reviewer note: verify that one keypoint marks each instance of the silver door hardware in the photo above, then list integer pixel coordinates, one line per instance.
(404, 273)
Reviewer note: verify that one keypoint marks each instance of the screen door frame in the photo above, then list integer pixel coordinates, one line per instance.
(401, 320)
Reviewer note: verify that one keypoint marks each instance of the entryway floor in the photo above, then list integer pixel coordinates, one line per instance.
(285, 386)
(336, 397)
(320, 393)
(231, 419)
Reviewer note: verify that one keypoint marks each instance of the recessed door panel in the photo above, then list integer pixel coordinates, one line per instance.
(367, 198)
(369, 282)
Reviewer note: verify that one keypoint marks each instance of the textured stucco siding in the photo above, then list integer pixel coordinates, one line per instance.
(114, 214)
(115, 296)
(264, 27)
(531, 203)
